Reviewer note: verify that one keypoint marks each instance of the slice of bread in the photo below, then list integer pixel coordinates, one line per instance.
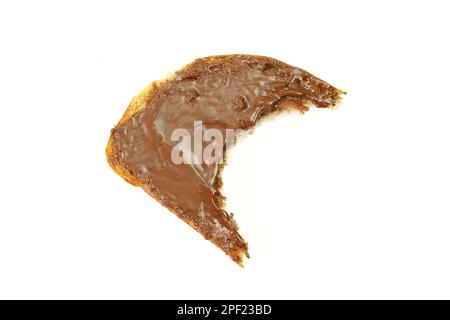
(227, 92)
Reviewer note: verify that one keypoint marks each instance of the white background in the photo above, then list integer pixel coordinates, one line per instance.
(352, 203)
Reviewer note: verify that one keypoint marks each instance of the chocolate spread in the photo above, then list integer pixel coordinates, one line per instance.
(222, 92)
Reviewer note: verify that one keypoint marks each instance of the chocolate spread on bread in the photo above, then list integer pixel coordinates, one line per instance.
(220, 92)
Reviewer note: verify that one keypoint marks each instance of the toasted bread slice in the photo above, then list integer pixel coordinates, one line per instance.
(219, 92)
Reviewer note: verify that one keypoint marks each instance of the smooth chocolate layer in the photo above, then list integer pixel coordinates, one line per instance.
(223, 92)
